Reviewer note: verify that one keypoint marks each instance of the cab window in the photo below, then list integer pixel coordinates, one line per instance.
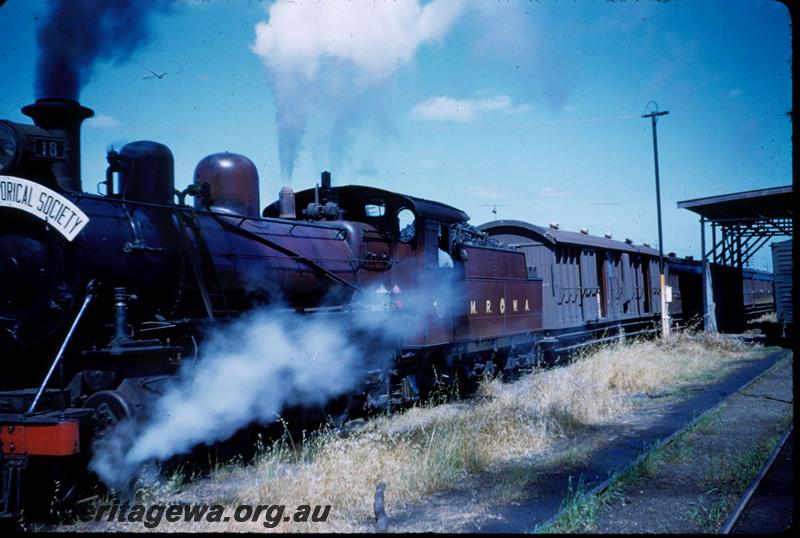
(445, 260)
(406, 221)
(375, 208)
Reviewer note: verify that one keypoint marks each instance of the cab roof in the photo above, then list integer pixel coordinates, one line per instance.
(353, 198)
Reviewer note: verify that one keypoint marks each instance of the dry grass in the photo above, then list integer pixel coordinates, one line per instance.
(431, 448)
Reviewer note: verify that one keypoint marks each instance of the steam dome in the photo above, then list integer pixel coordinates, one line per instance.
(233, 180)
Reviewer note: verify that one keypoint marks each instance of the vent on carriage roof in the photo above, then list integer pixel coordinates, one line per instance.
(629, 240)
(646, 244)
(554, 225)
(671, 254)
(585, 231)
(607, 236)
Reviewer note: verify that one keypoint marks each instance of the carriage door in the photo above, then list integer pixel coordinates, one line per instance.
(647, 283)
(436, 294)
(602, 283)
(589, 285)
(628, 285)
(639, 276)
(616, 289)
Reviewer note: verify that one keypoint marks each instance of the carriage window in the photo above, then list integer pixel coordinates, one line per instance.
(407, 224)
(375, 208)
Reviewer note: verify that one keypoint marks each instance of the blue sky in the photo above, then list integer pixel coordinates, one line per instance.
(531, 106)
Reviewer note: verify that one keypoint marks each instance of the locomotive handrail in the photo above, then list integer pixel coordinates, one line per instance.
(280, 248)
(89, 296)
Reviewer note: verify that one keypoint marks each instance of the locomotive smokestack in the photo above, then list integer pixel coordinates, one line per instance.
(64, 115)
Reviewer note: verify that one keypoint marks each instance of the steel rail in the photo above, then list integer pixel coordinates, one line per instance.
(608, 482)
(750, 491)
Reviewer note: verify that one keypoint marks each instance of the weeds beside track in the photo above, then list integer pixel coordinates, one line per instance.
(432, 447)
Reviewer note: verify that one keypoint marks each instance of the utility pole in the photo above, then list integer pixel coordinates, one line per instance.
(664, 316)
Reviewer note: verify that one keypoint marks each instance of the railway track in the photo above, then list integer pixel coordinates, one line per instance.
(766, 505)
(741, 513)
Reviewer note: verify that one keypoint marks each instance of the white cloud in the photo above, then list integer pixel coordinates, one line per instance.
(376, 37)
(483, 192)
(354, 45)
(443, 108)
(553, 192)
(101, 121)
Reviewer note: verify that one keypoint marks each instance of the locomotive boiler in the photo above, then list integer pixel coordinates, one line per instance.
(210, 260)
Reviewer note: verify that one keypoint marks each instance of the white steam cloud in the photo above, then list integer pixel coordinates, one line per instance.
(248, 371)
(444, 108)
(263, 362)
(102, 121)
(372, 39)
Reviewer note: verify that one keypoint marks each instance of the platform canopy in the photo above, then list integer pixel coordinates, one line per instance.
(743, 222)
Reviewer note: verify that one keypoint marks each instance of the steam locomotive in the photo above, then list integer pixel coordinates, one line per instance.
(103, 296)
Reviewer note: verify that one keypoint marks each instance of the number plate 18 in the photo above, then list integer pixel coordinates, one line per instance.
(48, 148)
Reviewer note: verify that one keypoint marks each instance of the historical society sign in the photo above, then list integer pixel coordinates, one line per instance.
(43, 203)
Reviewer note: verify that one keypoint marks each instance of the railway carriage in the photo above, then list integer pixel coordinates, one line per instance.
(685, 277)
(591, 286)
(758, 292)
(783, 294)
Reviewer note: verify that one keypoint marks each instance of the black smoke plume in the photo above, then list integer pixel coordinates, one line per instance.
(78, 33)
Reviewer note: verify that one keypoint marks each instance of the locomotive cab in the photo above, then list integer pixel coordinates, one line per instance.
(410, 235)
